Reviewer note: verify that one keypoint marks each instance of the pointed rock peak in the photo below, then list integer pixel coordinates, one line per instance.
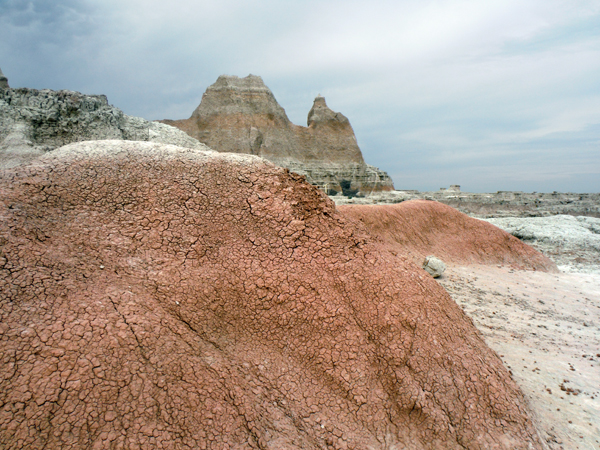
(3, 81)
(320, 101)
(320, 113)
(241, 115)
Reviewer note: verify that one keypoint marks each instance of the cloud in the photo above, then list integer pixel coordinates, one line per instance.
(434, 89)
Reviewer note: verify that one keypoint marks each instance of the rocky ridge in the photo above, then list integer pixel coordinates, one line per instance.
(563, 226)
(519, 204)
(33, 122)
(488, 205)
(241, 115)
(418, 228)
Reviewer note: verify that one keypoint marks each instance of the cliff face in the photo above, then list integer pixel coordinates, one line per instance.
(241, 115)
(33, 122)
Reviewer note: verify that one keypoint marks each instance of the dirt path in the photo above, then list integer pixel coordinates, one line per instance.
(546, 328)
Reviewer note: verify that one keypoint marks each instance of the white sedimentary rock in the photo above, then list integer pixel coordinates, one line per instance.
(573, 242)
(33, 122)
(434, 266)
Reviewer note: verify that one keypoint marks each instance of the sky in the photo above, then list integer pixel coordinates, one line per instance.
(488, 94)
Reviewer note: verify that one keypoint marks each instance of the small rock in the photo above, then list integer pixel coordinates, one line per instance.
(434, 266)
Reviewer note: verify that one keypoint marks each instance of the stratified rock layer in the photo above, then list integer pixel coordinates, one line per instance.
(241, 115)
(34, 122)
(419, 228)
(497, 204)
(519, 204)
(160, 297)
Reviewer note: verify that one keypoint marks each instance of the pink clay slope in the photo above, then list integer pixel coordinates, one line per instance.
(158, 297)
(418, 228)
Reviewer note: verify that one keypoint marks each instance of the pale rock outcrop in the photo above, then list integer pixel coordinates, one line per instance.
(518, 204)
(434, 266)
(3, 81)
(572, 242)
(241, 115)
(33, 122)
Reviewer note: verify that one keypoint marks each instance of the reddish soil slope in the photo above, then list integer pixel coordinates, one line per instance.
(418, 228)
(157, 297)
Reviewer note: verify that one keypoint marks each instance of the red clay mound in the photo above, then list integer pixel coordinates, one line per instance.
(418, 228)
(158, 297)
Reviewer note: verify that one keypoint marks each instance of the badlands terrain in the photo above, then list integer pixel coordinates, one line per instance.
(543, 323)
(161, 297)
(172, 296)
(546, 327)
(241, 115)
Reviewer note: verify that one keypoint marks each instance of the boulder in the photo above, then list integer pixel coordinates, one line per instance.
(434, 266)
(33, 122)
(153, 296)
(241, 115)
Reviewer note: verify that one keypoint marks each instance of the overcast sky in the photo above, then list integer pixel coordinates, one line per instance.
(489, 94)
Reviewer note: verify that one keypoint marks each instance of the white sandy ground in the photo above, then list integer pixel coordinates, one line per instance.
(546, 329)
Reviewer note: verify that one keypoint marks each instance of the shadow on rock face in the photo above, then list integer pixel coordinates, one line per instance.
(154, 296)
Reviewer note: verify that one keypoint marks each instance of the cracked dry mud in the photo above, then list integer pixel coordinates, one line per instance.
(544, 325)
(158, 297)
(418, 228)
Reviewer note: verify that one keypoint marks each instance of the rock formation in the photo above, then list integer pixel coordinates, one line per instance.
(241, 115)
(419, 228)
(33, 122)
(160, 297)
(572, 242)
(496, 204)
(521, 204)
(3, 81)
